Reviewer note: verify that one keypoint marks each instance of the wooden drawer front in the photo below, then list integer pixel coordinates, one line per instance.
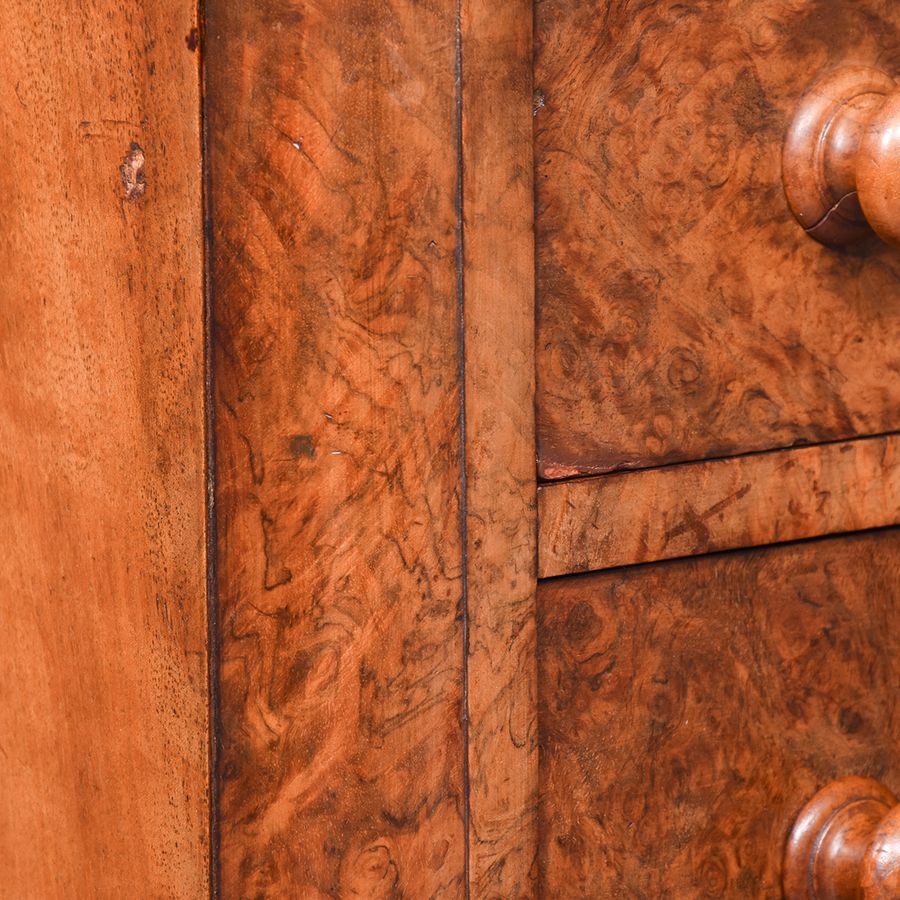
(682, 311)
(689, 709)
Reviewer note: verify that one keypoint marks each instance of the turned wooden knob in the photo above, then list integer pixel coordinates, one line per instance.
(842, 158)
(845, 844)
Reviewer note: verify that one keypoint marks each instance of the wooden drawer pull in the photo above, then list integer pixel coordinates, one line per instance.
(845, 844)
(842, 157)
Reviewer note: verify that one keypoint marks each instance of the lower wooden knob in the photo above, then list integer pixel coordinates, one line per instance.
(845, 844)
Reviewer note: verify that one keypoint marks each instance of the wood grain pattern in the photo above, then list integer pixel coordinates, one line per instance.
(690, 709)
(334, 173)
(687, 510)
(498, 203)
(682, 312)
(103, 676)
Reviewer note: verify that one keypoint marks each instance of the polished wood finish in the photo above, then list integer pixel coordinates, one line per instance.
(877, 172)
(845, 844)
(377, 707)
(103, 673)
(840, 157)
(880, 875)
(689, 709)
(687, 510)
(333, 169)
(498, 272)
(682, 314)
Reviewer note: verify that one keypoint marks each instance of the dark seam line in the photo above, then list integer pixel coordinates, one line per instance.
(463, 481)
(764, 547)
(212, 616)
(546, 483)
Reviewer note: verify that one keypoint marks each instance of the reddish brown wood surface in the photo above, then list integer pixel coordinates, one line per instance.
(686, 510)
(689, 710)
(103, 676)
(683, 314)
(498, 203)
(333, 157)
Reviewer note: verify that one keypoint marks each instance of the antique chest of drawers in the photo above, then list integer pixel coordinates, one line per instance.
(450, 449)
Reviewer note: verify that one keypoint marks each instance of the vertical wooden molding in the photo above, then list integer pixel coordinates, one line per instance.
(498, 203)
(333, 182)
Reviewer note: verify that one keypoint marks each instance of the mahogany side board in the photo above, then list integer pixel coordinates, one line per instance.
(104, 702)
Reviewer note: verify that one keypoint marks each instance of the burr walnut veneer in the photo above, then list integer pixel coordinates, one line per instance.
(449, 449)
(681, 316)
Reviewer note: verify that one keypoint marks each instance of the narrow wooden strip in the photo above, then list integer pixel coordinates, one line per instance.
(499, 325)
(103, 678)
(333, 158)
(686, 510)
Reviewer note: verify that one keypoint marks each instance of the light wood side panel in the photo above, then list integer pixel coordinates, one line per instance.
(615, 520)
(333, 154)
(103, 673)
(498, 207)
